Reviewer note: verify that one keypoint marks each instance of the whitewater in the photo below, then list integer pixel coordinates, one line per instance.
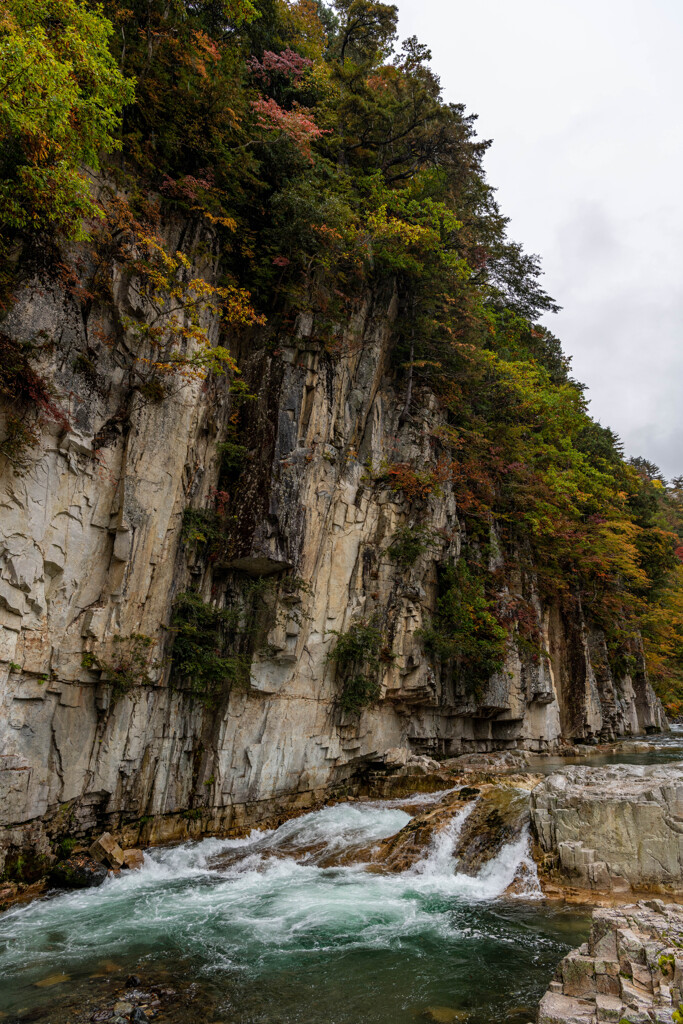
(297, 926)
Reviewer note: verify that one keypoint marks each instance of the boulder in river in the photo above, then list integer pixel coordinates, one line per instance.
(79, 871)
(498, 818)
(107, 850)
(133, 859)
(631, 969)
(617, 828)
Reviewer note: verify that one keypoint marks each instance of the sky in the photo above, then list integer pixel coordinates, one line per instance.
(583, 103)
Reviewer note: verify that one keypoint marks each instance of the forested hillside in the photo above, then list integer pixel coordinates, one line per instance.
(319, 160)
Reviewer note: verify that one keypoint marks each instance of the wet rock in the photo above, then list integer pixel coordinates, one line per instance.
(400, 851)
(133, 859)
(617, 828)
(630, 969)
(138, 1016)
(634, 747)
(468, 792)
(107, 850)
(498, 818)
(123, 1007)
(80, 871)
(132, 981)
(15, 893)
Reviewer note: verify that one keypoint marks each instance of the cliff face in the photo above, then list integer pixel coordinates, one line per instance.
(92, 550)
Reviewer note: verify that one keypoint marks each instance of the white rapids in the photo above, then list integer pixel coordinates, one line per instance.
(247, 909)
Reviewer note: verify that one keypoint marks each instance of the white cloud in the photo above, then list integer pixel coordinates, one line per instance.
(581, 98)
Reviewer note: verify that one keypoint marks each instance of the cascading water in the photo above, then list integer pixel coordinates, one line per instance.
(296, 926)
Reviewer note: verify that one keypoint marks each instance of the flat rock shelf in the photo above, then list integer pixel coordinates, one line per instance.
(617, 828)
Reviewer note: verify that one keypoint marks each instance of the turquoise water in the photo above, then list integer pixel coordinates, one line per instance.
(295, 927)
(274, 930)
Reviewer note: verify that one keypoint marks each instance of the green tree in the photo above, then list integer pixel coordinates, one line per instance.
(61, 93)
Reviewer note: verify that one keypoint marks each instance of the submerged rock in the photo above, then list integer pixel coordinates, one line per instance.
(444, 1015)
(630, 969)
(52, 979)
(617, 828)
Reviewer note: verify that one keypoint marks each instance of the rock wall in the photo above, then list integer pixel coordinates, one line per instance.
(91, 549)
(629, 970)
(615, 829)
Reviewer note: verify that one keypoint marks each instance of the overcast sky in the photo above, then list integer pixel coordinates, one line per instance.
(582, 99)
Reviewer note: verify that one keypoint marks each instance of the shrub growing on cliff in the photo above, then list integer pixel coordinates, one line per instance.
(232, 458)
(27, 399)
(127, 665)
(201, 526)
(169, 330)
(409, 542)
(358, 655)
(206, 655)
(465, 629)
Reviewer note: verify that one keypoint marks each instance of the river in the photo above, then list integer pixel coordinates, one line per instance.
(294, 927)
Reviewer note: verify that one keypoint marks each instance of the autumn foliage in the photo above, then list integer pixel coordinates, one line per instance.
(320, 164)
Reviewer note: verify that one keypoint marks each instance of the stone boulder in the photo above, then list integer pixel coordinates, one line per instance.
(79, 871)
(617, 828)
(497, 761)
(107, 850)
(133, 859)
(631, 969)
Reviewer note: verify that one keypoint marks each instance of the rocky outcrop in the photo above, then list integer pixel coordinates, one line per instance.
(480, 821)
(630, 970)
(93, 557)
(499, 817)
(617, 829)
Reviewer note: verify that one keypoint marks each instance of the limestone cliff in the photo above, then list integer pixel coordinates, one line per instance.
(94, 554)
